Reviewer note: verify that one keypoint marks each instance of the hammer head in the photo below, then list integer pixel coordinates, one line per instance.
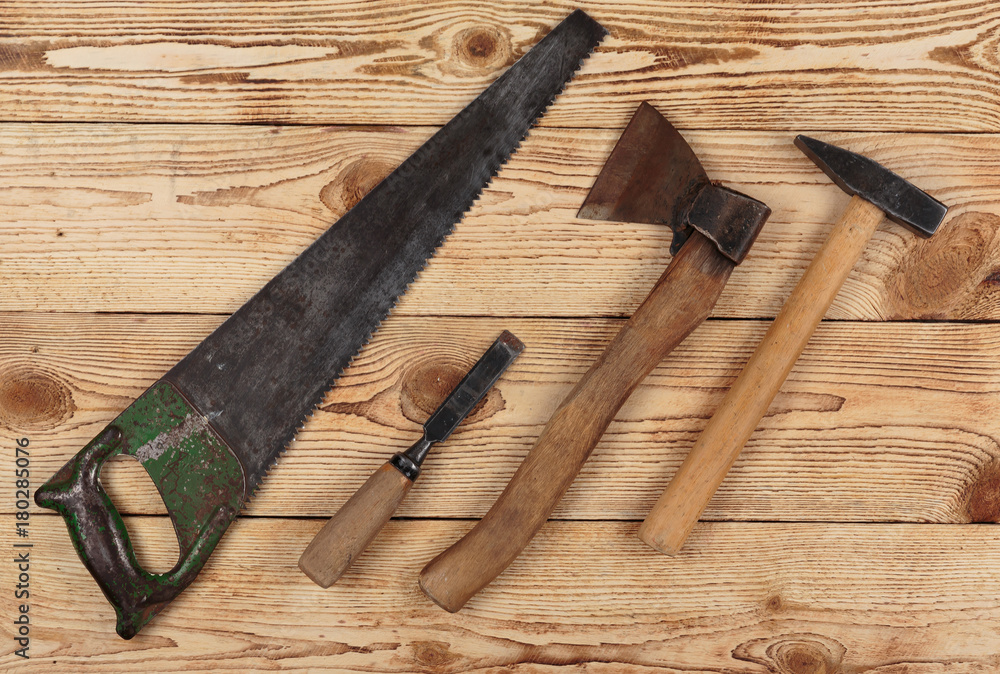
(900, 200)
(653, 176)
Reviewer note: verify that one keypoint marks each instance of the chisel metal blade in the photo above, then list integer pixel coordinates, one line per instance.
(473, 387)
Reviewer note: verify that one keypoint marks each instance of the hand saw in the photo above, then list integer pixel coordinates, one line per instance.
(211, 428)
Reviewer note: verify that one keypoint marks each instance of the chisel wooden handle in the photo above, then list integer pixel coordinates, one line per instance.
(678, 509)
(680, 301)
(355, 525)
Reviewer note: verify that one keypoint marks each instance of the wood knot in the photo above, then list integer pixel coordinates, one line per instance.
(804, 658)
(32, 399)
(343, 192)
(433, 655)
(483, 48)
(945, 275)
(982, 495)
(427, 384)
(471, 50)
(794, 654)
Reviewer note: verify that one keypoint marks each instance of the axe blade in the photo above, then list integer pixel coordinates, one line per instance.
(653, 176)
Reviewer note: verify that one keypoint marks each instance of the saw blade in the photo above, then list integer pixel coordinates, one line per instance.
(263, 371)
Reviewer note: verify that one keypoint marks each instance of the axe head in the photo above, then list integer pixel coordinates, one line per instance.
(653, 176)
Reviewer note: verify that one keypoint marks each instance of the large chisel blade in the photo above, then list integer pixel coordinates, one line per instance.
(208, 432)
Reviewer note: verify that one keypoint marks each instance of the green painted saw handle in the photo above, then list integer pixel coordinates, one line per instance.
(166, 434)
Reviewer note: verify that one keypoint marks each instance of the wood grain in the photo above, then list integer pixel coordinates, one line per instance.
(747, 598)
(877, 422)
(122, 245)
(787, 65)
(195, 219)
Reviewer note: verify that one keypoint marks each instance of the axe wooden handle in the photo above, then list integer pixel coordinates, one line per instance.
(680, 301)
(678, 509)
(348, 533)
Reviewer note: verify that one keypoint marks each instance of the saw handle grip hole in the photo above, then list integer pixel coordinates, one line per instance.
(132, 491)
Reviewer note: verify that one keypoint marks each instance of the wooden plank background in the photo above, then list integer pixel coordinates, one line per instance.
(160, 161)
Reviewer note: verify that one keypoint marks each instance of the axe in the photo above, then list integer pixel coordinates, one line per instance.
(652, 176)
(876, 192)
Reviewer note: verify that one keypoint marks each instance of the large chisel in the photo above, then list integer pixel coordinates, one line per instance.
(211, 428)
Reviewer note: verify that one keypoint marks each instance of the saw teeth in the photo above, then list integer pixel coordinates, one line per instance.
(255, 481)
(494, 170)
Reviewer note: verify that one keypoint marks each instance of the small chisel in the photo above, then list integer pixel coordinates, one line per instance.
(357, 522)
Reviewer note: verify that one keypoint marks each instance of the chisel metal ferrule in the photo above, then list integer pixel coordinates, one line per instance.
(408, 462)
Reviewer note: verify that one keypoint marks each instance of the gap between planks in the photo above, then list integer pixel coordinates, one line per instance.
(740, 597)
(104, 221)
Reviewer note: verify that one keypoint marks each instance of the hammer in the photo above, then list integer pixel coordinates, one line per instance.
(652, 176)
(875, 192)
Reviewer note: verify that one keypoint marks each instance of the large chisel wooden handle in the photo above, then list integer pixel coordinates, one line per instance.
(679, 507)
(681, 300)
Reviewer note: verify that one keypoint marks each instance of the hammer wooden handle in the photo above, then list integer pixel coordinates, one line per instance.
(355, 525)
(680, 301)
(679, 507)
